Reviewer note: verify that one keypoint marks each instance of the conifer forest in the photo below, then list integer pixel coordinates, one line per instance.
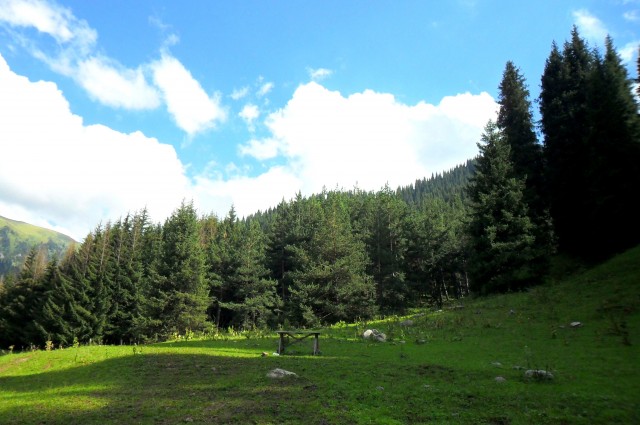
(564, 184)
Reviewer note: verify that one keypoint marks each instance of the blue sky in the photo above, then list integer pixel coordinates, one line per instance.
(108, 107)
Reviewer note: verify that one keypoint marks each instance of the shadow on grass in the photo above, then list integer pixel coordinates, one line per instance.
(158, 388)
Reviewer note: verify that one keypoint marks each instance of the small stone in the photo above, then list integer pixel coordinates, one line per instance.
(264, 354)
(421, 341)
(500, 379)
(380, 388)
(188, 419)
(497, 364)
(575, 324)
(280, 373)
(512, 312)
(540, 375)
(275, 354)
(406, 323)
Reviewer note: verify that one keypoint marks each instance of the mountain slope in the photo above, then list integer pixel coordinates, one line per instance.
(17, 238)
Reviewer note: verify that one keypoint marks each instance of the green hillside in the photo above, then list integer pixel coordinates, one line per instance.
(464, 364)
(17, 238)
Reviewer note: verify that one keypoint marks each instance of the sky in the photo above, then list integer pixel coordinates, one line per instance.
(110, 107)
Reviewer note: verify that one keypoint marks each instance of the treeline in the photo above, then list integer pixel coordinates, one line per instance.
(316, 260)
(351, 255)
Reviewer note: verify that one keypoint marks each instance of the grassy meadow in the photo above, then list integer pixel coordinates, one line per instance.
(440, 369)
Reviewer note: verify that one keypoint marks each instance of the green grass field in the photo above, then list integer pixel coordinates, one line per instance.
(442, 369)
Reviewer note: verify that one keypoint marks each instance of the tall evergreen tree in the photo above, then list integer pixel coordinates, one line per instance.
(515, 122)
(564, 111)
(614, 154)
(589, 119)
(332, 283)
(254, 294)
(502, 240)
(182, 265)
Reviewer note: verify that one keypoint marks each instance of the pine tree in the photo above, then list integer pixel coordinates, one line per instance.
(332, 284)
(564, 109)
(254, 293)
(590, 123)
(614, 154)
(502, 241)
(515, 122)
(184, 291)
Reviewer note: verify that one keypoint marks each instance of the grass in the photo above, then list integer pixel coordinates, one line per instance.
(441, 369)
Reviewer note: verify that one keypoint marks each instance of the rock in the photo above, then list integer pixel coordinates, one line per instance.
(516, 367)
(575, 324)
(500, 379)
(420, 341)
(538, 375)
(280, 373)
(406, 323)
(380, 388)
(275, 354)
(512, 312)
(497, 364)
(375, 335)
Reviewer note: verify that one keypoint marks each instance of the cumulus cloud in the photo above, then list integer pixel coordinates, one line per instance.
(114, 86)
(47, 18)
(238, 94)
(104, 78)
(370, 138)
(590, 26)
(319, 74)
(325, 139)
(265, 89)
(191, 107)
(628, 51)
(54, 166)
(76, 175)
(261, 149)
(249, 114)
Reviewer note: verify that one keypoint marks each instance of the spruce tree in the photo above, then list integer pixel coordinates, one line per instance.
(515, 122)
(184, 291)
(501, 233)
(614, 154)
(564, 112)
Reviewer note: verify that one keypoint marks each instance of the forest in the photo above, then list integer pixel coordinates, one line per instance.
(563, 185)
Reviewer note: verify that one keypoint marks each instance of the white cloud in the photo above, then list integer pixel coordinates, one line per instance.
(115, 87)
(54, 166)
(590, 26)
(631, 16)
(319, 74)
(628, 51)
(191, 107)
(104, 78)
(48, 18)
(370, 138)
(238, 94)
(76, 175)
(265, 89)
(365, 139)
(249, 114)
(261, 149)
(246, 194)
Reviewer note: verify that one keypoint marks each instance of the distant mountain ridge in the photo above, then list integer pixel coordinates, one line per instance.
(17, 238)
